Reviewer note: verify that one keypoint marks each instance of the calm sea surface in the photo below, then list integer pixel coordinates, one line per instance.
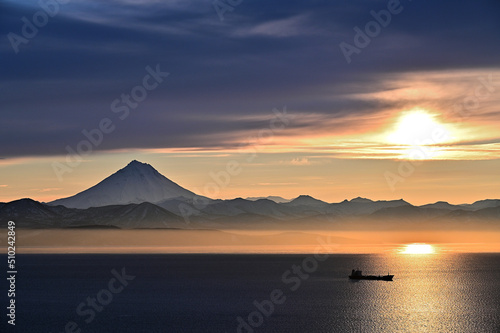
(223, 293)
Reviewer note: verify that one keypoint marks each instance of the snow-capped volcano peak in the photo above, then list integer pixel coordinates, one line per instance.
(138, 165)
(136, 183)
(136, 169)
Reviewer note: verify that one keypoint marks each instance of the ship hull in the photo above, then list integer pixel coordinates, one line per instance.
(372, 277)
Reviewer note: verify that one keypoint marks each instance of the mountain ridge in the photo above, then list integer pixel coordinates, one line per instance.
(239, 212)
(138, 196)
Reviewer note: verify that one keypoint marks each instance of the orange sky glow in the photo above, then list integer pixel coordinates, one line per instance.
(440, 142)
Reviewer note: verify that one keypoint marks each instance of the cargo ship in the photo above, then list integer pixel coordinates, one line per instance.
(358, 275)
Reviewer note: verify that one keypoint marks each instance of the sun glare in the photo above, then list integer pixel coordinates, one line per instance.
(421, 132)
(419, 127)
(418, 249)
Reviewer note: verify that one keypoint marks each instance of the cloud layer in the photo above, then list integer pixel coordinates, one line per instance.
(227, 76)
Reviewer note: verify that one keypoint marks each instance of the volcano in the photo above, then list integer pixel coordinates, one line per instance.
(136, 183)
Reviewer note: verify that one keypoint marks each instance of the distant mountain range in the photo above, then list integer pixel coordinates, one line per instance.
(271, 197)
(138, 196)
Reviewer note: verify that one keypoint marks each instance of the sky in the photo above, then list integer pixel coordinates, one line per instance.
(335, 99)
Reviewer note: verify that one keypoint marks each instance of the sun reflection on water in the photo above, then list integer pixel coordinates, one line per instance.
(417, 248)
(441, 292)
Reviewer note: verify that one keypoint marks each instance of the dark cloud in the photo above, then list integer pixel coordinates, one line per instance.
(263, 55)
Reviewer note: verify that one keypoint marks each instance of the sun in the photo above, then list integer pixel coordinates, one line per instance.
(418, 249)
(419, 134)
(418, 127)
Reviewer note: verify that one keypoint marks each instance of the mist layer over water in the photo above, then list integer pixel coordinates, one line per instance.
(245, 241)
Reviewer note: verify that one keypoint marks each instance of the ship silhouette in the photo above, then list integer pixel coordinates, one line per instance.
(358, 275)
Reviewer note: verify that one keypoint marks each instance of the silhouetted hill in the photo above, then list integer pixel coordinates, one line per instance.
(28, 213)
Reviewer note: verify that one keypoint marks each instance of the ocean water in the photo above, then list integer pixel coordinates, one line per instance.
(223, 293)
